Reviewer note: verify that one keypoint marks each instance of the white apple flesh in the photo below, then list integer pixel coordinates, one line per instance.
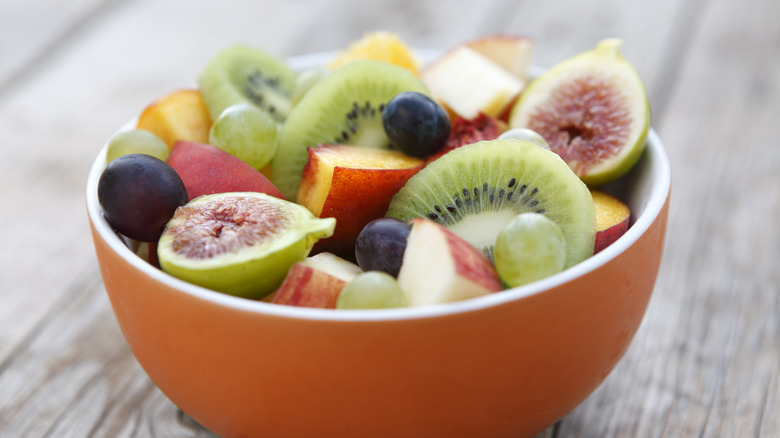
(511, 52)
(468, 83)
(440, 267)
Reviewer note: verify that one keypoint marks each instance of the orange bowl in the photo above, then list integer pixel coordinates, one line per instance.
(505, 365)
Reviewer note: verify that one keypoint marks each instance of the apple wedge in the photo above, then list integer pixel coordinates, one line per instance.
(206, 169)
(316, 281)
(468, 83)
(440, 267)
(512, 52)
(612, 217)
(353, 184)
(180, 115)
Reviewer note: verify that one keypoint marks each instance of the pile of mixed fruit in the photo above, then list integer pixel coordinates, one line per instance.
(377, 181)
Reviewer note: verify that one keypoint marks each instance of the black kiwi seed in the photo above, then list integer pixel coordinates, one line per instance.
(256, 81)
(516, 194)
(356, 118)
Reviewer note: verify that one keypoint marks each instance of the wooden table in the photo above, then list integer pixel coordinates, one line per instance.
(706, 360)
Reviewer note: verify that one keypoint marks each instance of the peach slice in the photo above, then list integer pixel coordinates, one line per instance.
(180, 115)
(468, 83)
(206, 169)
(439, 267)
(316, 281)
(353, 184)
(612, 217)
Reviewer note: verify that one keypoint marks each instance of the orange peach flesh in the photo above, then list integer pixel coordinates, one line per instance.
(180, 115)
(612, 218)
(323, 161)
(609, 210)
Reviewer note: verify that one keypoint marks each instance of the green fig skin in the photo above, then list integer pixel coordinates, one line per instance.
(254, 271)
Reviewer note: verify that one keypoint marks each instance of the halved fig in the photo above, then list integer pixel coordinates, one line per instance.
(239, 243)
(593, 111)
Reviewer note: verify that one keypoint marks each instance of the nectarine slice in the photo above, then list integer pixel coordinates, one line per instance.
(354, 185)
(180, 115)
(612, 217)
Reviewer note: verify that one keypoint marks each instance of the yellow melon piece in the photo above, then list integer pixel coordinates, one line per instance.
(379, 46)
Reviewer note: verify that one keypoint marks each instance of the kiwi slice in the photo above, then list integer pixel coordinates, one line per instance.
(239, 243)
(344, 107)
(245, 74)
(478, 189)
(592, 110)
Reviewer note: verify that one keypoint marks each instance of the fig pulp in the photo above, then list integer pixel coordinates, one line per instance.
(592, 110)
(239, 243)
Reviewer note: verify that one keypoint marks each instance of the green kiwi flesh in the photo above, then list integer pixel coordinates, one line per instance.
(344, 107)
(477, 189)
(245, 74)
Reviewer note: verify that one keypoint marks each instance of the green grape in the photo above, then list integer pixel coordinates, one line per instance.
(247, 132)
(371, 290)
(136, 141)
(526, 134)
(529, 248)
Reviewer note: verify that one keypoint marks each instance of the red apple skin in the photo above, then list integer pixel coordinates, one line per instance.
(306, 286)
(315, 282)
(612, 219)
(471, 263)
(356, 197)
(206, 169)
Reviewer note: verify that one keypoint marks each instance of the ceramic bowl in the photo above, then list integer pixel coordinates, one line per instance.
(506, 365)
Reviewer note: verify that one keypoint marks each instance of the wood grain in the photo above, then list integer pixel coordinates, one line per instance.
(706, 360)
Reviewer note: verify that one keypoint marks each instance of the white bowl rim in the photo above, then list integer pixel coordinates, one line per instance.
(660, 176)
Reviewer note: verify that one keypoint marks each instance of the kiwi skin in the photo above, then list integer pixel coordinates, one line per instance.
(477, 189)
(345, 107)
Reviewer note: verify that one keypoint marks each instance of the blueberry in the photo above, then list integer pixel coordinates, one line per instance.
(416, 124)
(381, 244)
(139, 194)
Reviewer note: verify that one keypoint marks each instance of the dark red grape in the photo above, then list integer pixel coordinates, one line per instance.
(381, 244)
(139, 194)
(416, 124)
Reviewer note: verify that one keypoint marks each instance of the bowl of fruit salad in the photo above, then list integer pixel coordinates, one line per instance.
(338, 246)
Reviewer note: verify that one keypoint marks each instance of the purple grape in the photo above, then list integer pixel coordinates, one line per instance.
(139, 194)
(416, 124)
(381, 244)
